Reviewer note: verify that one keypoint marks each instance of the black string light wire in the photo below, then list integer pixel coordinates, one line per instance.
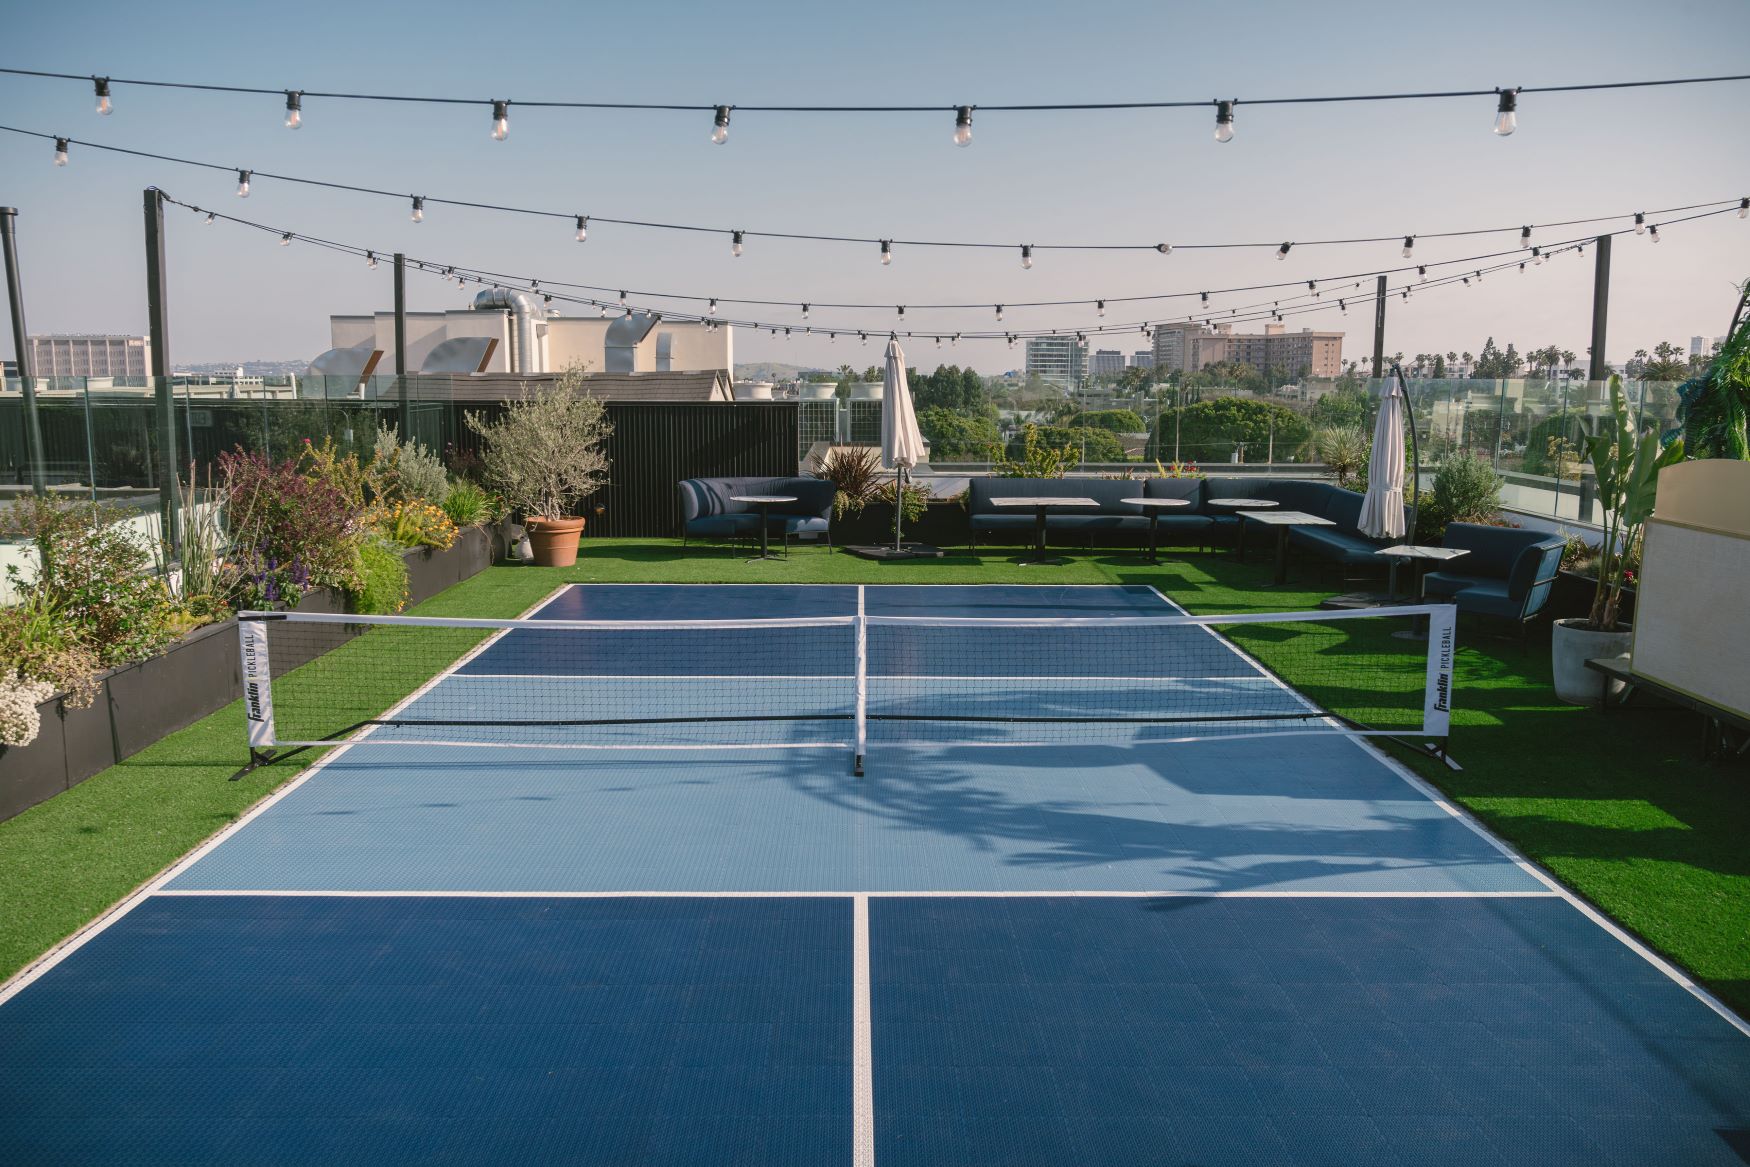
(738, 235)
(1276, 310)
(1506, 101)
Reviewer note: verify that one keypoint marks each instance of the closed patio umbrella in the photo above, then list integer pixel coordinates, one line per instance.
(1382, 510)
(902, 443)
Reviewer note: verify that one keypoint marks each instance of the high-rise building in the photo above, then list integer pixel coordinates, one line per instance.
(90, 355)
(1062, 360)
(1106, 360)
(1142, 358)
(1188, 347)
(1701, 346)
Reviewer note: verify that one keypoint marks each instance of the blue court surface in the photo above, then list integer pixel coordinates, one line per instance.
(1269, 950)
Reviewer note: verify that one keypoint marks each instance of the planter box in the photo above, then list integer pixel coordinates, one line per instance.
(140, 703)
(1571, 596)
(943, 524)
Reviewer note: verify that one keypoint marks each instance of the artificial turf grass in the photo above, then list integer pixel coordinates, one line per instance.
(1618, 807)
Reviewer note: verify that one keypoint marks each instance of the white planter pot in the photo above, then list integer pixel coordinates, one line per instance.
(1571, 646)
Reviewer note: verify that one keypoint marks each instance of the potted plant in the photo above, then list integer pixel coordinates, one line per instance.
(1626, 465)
(543, 454)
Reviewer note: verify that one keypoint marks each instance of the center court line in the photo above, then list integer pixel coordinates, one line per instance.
(862, 1042)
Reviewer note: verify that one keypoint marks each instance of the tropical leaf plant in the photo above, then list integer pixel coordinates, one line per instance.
(1626, 464)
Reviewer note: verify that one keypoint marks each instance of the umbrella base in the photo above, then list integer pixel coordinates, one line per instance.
(903, 551)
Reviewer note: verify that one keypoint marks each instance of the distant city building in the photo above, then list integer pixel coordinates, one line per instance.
(1106, 360)
(1062, 360)
(530, 341)
(90, 355)
(1142, 358)
(1701, 346)
(1189, 347)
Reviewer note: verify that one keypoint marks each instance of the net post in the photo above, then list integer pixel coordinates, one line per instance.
(257, 686)
(1437, 697)
(862, 630)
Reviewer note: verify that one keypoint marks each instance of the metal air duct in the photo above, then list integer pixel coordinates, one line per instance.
(623, 338)
(527, 354)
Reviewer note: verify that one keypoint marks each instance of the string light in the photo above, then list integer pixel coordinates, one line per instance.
(963, 126)
(211, 218)
(1537, 257)
(101, 87)
(1164, 248)
(720, 127)
(1409, 245)
(1640, 223)
(1653, 231)
(886, 252)
(1100, 307)
(500, 120)
(1525, 236)
(805, 311)
(1282, 252)
(999, 313)
(1026, 255)
(582, 228)
(371, 260)
(419, 208)
(286, 239)
(1224, 120)
(1521, 267)
(294, 108)
(901, 308)
(60, 151)
(710, 311)
(243, 177)
(1507, 112)
(864, 338)
(1744, 207)
(1422, 273)
(1205, 299)
(735, 244)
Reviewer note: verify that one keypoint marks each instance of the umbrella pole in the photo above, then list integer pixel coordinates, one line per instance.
(1415, 453)
(898, 503)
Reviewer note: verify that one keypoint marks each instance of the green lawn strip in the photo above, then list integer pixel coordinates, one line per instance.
(1617, 807)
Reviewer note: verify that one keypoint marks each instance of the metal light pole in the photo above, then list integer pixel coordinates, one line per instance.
(33, 428)
(404, 406)
(158, 326)
(1599, 370)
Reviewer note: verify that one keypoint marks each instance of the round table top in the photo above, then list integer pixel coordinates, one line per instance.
(1158, 502)
(1043, 501)
(1242, 502)
(762, 498)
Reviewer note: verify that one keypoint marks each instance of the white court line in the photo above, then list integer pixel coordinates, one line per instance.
(30, 972)
(479, 744)
(1433, 794)
(986, 894)
(862, 1041)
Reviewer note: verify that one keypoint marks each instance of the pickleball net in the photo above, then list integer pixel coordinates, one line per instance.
(844, 682)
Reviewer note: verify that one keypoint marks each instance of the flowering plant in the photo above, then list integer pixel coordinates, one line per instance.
(290, 531)
(19, 720)
(416, 524)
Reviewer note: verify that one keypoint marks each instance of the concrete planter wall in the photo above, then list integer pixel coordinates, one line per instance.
(138, 704)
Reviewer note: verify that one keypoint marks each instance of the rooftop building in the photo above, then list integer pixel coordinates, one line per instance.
(1062, 360)
(90, 355)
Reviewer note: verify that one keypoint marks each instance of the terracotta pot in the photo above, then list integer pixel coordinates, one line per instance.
(554, 541)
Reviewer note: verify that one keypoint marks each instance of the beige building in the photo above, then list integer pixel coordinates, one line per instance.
(90, 355)
(1188, 347)
(533, 342)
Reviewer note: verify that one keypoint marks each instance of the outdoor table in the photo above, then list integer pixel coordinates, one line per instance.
(1241, 505)
(1282, 520)
(1154, 507)
(1040, 506)
(764, 502)
(1412, 553)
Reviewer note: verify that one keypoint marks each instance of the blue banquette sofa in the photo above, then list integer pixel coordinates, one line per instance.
(1198, 524)
(1507, 572)
(708, 512)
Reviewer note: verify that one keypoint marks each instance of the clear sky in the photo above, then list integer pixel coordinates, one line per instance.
(1290, 173)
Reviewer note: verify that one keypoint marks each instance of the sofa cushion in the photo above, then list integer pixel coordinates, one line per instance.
(1335, 543)
(1488, 598)
(722, 524)
(1186, 488)
(1492, 550)
(999, 521)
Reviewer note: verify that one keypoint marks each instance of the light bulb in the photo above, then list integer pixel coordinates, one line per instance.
(1282, 252)
(1026, 255)
(1205, 299)
(1479, 277)
(1744, 207)
(1422, 273)
(294, 108)
(720, 128)
(1409, 245)
(901, 308)
(101, 86)
(371, 259)
(582, 228)
(211, 218)
(805, 312)
(1506, 115)
(286, 239)
(1164, 248)
(243, 177)
(500, 120)
(1100, 307)
(1011, 341)
(999, 313)
(1536, 256)
(712, 310)
(886, 252)
(938, 342)
(963, 126)
(735, 245)
(1525, 236)
(1653, 231)
(60, 151)
(622, 298)
(1521, 267)
(1344, 306)
(954, 341)
(604, 311)
(863, 338)
(419, 208)
(1224, 121)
